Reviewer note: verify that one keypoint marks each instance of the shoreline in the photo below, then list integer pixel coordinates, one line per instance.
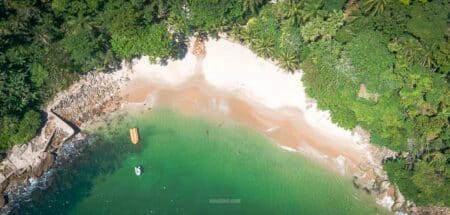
(224, 86)
(232, 82)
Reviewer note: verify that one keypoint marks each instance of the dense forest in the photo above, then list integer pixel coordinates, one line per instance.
(380, 64)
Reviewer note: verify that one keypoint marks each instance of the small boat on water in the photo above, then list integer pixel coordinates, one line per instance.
(138, 170)
(134, 135)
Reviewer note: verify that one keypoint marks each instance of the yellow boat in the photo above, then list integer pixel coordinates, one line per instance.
(134, 135)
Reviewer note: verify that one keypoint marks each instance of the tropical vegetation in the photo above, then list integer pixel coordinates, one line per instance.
(397, 50)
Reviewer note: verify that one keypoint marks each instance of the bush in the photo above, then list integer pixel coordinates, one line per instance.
(424, 185)
(369, 55)
(16, 131)
(331, 5)
(429, 21)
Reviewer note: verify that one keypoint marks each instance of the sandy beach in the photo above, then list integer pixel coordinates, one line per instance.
(230, 82)
(226, 81)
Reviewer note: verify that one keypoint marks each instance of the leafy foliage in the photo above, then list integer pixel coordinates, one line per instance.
(420, 185)
(153, 41)
(398, 52)
(428, 22)
(46, 45)
(325, 29)
(334, 5)
(214, 15)
(252, 5)
(14, 130)
(374, 6)
(369, 55)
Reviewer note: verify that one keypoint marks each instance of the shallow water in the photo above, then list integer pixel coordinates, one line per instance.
(192, 166)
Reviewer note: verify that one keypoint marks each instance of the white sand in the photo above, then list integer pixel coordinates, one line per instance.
(234, 68)
(279, 105)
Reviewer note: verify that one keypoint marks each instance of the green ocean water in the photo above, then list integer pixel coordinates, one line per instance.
(193, 166)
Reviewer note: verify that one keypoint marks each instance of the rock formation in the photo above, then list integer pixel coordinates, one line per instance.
(94, 95)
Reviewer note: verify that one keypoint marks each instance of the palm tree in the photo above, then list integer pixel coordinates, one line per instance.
(288, 60)
(46, 31)
(374, 6)
(291, 2)
(239, 33)
(245, 35)
(413, 51)
(313, 5)
(80, 23)
(295, 14)
(251, 5)
(312, 9)
(264, 47)
(437, 160)
(426, 57)
(160, 8)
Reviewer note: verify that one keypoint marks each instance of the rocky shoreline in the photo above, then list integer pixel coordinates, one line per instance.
(25, 192)
(93, 96)
(98, 94)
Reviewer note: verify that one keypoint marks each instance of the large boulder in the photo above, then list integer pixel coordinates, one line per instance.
(2, 201)
(43, 164)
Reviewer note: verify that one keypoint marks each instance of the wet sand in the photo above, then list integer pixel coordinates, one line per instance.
(285, 126)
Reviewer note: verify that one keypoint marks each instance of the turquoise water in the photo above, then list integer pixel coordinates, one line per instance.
(193, 166)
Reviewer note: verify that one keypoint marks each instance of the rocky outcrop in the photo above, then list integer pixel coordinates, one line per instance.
(21, 158)
(2, 201)
(94, 95)
(374, 180)
(199, 47)
(43, 164)
(431, 211)
(365, 94)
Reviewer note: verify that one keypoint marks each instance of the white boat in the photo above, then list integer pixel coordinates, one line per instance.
(138, 170)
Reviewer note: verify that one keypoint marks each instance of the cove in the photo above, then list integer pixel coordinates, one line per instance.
(192, 165)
